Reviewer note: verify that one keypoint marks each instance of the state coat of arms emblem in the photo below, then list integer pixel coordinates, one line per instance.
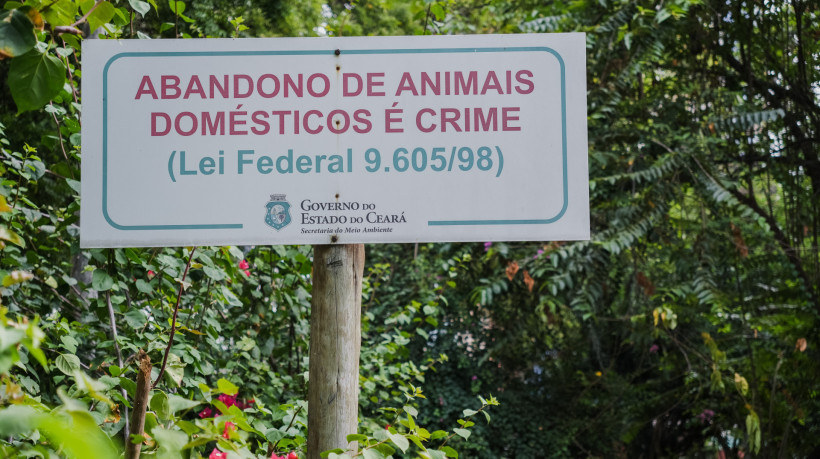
(278, 212)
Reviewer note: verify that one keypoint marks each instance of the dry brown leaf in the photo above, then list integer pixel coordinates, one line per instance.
(740, 243)
(646, 284)
(512, 268)
(801, 345)
(528, 280)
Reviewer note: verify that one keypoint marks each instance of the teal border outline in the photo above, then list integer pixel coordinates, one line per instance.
(332, 52)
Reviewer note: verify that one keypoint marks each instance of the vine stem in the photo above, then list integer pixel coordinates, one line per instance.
(174, 320)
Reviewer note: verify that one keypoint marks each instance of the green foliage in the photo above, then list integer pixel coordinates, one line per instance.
(687, 326)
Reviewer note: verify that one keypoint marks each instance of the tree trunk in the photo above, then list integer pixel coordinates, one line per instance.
(335, 341)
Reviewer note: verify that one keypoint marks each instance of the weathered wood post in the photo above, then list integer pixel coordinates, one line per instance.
(335, 342)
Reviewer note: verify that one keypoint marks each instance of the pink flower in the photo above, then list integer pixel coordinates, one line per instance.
(216, 454)
(475, 377)
(229, 426)
(243, 265)
(654, 348)
(274, 456)
(487, 246)
(706, 415)
(228, 400)
(292, 455)
(247, 273)
(538, 254)
(206, 413)
(245, 404)
(151, 274)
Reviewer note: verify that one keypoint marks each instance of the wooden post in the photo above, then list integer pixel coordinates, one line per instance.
(335, 342)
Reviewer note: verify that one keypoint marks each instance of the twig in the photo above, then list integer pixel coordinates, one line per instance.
(288, 428)
(91, 10)
(59, 30)
(113, 321)
(62, 146)
(174, 320)
(71, 79)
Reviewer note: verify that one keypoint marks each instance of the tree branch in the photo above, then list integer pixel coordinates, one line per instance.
(174, 320)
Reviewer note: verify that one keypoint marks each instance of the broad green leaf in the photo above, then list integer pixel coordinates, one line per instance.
(463, 433)
(226, 387)
(16, 34)
(356, 437)
(135, 319)
(400, 441)
(17, 277)
(101, 281)
(177, 403)
(18, 420)
(144, 286)
(60, 13)
(450, 452)
(274, 435)
(67, 363)
(438, 434)
(372, 453)
(101, 15)
(171, 442)
(160, 405)
(10, 236)
(175, 369)
(177, 7)
(4, 206)
(69, 343)
(77, 433)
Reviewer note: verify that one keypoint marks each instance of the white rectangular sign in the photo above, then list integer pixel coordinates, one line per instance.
(343, 140)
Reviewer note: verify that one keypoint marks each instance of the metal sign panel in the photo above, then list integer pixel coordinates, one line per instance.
(343, 140)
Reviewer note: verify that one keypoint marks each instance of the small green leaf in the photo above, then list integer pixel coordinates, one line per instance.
(356, 437)
(468, 412)
(438, 434)
(34, 79)
(463, 433)
(450, 452)
(411, 411)
(140, 7)
(114, 370)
